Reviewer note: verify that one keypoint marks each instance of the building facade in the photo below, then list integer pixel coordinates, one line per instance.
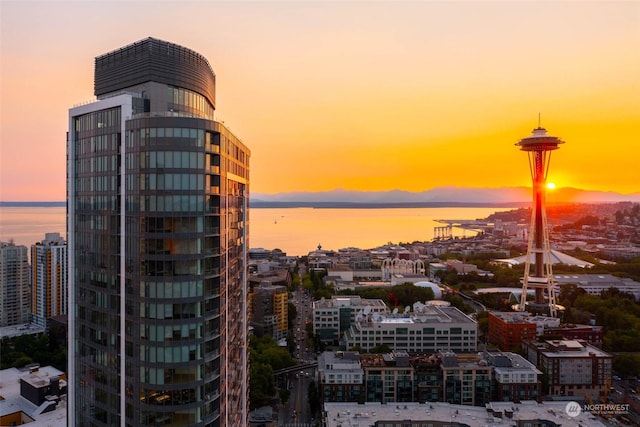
(15, 298)
(269, 310)
(508, 330)
(332, 317)
(49, 279)
(431, 330)
(573, 367)
(340, 377)
(467, 379)
(157, 239)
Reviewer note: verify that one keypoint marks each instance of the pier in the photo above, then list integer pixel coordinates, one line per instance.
(446, 231)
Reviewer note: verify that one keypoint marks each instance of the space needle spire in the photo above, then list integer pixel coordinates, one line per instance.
(538, 274)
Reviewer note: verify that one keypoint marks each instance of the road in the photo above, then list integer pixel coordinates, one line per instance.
(297, 412)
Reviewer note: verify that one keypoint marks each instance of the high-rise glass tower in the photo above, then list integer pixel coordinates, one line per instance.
(157, 238)
(15, 302)
(49, 278)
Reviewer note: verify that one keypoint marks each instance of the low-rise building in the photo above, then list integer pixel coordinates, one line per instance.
(508, 330)
(441, 414)
(429, 330)
(573, 367)
(514, 378)
(592, 334)
(340, 377)
(388, 377)
(466, 380)
(34, 395)
(595, 284)
(331, 317)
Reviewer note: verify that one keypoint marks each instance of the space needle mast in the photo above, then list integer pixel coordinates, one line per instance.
(539, 147)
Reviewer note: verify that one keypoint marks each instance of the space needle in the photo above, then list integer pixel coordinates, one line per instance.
(539, 146)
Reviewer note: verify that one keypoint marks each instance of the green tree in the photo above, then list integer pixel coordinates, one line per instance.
(627, 364)
(483, 322)
(22, 361)
(284, 395)
(382, 348)
(314, 398)
(292, 313)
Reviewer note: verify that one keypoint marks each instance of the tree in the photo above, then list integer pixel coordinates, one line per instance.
(627, 364)
(22, 361)
(382, 348)
(284, 395)
(292, 312)
(483, 322)
(314, 398)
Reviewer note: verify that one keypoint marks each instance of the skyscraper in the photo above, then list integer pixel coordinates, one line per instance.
(15, 302)
(49, 278)
(157, 214)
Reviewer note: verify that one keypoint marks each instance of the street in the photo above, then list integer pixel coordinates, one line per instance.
(297, 412)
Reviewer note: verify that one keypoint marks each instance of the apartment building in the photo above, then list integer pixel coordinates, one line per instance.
(49, 279)
(157, 239)
(332, 317)
(269, 310)
(429, 330)
(574, 367)
(340, 377)
(15, 287)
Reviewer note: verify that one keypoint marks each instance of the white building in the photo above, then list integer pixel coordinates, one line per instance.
(428, 330)
(595, 284)
(340, 376)
(331, 317)
(49, 278)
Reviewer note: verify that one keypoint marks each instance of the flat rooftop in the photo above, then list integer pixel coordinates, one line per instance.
(495, 414)
(428, 314)
(11, 401)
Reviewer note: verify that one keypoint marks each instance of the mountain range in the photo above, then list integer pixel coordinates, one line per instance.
(440, 196)
(436, 197)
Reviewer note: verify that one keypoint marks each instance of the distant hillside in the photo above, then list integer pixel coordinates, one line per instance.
(32, 204)
(441, 196)
(436, 197)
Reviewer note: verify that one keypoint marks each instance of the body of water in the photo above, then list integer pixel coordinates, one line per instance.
(296, 231)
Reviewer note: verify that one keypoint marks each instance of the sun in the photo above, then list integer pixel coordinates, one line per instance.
(551, 186)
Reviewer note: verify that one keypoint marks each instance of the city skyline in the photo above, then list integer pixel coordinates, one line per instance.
(369, 96)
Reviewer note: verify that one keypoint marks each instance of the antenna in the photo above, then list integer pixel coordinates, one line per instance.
(539, 125)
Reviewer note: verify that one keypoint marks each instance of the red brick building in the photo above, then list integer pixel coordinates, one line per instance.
(509, 330)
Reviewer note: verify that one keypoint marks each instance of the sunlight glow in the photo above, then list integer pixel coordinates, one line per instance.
(551, 186)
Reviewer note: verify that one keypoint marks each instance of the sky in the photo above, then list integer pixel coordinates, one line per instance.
(356, 95)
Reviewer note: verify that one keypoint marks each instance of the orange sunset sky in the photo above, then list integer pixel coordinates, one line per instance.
(375, 95)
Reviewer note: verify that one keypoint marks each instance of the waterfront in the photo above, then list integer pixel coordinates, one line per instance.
(296, 231)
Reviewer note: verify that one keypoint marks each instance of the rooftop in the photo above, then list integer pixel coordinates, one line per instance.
(495, 414)
(11, 401)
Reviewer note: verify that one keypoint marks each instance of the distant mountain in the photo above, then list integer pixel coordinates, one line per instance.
(441, 196)
(32, 204)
